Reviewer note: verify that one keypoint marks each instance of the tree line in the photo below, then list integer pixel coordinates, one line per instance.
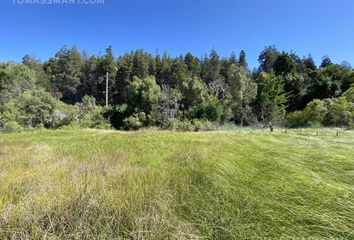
(185, 92)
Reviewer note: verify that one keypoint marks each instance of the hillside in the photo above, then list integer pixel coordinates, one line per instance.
(91, 184)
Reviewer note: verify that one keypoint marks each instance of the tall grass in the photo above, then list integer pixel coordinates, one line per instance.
(88, 184)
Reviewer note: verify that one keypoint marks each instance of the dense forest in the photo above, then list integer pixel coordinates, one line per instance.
(183, 93)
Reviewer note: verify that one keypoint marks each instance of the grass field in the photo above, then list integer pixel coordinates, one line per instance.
(90, 184)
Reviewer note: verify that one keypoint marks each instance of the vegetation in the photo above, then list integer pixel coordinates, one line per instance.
(147, 90)
(93, 184)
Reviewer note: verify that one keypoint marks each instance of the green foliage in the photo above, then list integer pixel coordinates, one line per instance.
(309, 63)
(340, 112)
(315, 112)
(65, 74)
(32, 109)
(90, 115)
(296, 119)
(135, 121)
(194, 92)
(243, 92)
(211, 67)
(296, 87)
(89, 78)
(204, 125)
(198, 101)
(212, 109)
(193, 65)
(123, 77)
(14, 80)
(168, 107)
(267, 59)
(106, 65)
(196, 125)
(11, 127)
(242, 60)
(35, 65)
(270, 96)
(349, 94)
(337, 112)
(164, 70)
(326, 61)
(143, 94)
(165, 89)
(283, 64)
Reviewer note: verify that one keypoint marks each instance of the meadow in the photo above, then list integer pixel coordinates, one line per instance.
(150, 184)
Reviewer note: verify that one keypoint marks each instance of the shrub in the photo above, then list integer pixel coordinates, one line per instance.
(315, 111)
(167, 109)
(204, 125)
(213, 109)
(296, 119)
(340, 113)
(182, 125)
(349, 94)
(12, 127)
(337, 112)
(32, 109)
(90, 115)
(194, 125)
(14, 80)
(135, 122)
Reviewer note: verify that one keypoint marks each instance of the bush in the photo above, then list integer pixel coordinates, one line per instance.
(315, 112)
(12, 127)
(349, 94)
(194, 125)
(135, 122)
(90, 115)
(204, 125)
(296, 119)
(167, 109)
(340, 113)
(337, 112)
(182, 125)
(213, 109)
(39, 108)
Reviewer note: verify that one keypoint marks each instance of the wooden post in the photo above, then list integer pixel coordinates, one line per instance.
(107, 89)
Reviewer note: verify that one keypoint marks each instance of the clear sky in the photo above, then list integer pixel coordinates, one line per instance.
(318, 27)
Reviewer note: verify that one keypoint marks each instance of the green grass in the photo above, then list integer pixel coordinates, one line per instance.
(90, 184)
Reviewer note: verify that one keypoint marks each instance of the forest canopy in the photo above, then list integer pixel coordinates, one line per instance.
(184, 93)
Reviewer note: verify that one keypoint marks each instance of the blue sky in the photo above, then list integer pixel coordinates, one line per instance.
(318, 27)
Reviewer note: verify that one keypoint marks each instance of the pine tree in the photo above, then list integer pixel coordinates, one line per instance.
(124, 75)
(211, 67)
(140, 64)
(35, 64)
(193, 65)
(326, 61)
(89, 78)
(163, 76)
(65, 72)
(242, 60)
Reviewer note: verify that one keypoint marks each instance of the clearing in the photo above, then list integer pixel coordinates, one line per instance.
(91, 184)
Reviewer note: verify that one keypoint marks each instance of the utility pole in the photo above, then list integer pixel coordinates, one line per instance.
(107, 89)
